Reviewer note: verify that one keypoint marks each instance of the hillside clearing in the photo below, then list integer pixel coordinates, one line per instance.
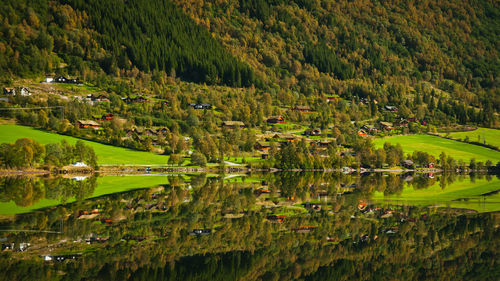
(107, 154)
(481, 135)
(435, 145)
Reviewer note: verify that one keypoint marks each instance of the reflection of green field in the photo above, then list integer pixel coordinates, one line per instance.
(460, 194)
(436, 145)
(105, 185)
(106, 154)
(490, 136)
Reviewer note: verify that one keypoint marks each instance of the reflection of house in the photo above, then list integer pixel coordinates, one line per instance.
(162, 130)
(303, 108)
(403, 123)
(388, 126)
(233, 124)
(25, 92)
(323, 143)
(313, 132)
(149, 133)
(276, 119)
(407, 164)
(303, 229)
(62, 79)
(201, 106)
(134, 100)
(85, 124)
(9, 91)
(99, 98)
(390, 108)
(274, 218)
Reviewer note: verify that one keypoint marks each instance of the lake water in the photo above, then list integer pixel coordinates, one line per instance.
(281, 226)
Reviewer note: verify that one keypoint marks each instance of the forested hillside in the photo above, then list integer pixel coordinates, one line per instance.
(343, 69)
(379, 42)
(113, 35)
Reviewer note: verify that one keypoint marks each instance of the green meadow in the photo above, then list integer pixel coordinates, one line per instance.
(435, 145)
(464, 194)
(105, 185)
(107, 154)
(482, 135)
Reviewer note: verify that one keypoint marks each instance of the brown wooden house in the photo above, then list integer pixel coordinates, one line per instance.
(233, 124)
(303, 108)
(262, 146)
(276, 119)
(86, 124)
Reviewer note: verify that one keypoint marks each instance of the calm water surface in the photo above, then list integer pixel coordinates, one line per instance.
(283, 226)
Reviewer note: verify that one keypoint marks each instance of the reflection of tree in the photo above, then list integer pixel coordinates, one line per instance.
(26, 191)
(23, 191)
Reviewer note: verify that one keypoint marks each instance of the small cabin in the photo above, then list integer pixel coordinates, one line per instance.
(107, 117)
(276, 119)
(233, 124)
(312, 132)
(388, 126)
(262, 146)
(303, 108)
(86, 124)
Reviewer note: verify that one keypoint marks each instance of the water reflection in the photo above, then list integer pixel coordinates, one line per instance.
(259, 227)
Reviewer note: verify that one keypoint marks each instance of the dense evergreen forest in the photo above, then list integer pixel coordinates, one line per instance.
(112, 35)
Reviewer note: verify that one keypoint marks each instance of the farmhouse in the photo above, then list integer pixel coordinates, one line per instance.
(135, 100)
(362, 133)
(262, 146)
(312, 132)
(302, 108)
(233, 124)
(276, 119)
(287, 137)
(388, 126)
(369, 129)
(85, 124)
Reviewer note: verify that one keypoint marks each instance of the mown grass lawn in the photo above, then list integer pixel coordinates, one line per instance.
(464, 194)
(490, 136)
(435, 145)
(107, 154)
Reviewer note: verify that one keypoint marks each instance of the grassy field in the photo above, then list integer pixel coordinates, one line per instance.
(105, 185)
(106, 154)
(435, 145)
(464, 194)
(490, 136)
